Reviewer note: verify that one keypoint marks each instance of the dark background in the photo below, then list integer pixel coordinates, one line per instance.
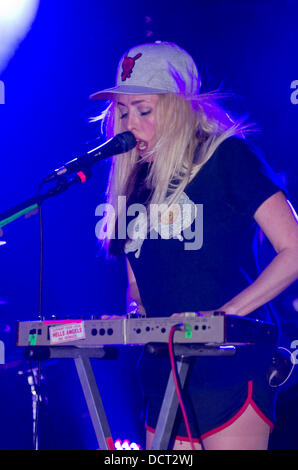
(248, 48)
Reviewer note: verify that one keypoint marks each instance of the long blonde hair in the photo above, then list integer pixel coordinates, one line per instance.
(189, 130)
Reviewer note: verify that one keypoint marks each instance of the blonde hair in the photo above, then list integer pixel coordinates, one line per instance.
(189, 130)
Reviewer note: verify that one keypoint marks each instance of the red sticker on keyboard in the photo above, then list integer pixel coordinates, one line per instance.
(67, 332)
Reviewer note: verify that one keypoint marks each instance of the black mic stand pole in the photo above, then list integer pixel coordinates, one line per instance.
(23, 208)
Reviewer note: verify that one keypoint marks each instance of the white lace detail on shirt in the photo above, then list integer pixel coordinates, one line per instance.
(168, 222)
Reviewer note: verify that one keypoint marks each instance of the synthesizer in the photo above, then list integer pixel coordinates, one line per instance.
(140, 331)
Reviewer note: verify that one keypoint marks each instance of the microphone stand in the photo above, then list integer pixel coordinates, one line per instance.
(33, 203)
(80, 167)
(23, 208)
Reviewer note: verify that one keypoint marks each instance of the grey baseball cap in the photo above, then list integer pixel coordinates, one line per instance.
(154, 68)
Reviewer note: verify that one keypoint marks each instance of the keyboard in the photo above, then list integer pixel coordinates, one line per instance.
(139, 331)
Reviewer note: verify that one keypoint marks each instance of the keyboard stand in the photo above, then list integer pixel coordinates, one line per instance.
(169, 407)
(81, 357)
(168, 411)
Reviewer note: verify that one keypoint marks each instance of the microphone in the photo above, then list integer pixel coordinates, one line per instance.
(121, 143)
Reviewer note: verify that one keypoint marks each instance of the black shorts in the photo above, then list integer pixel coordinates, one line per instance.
(216, 393)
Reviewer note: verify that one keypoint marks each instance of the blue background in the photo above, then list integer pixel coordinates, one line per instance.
(248, 48)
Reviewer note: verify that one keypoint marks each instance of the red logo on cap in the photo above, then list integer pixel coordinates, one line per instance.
(127, 66)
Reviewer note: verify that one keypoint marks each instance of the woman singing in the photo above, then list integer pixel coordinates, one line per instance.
(201, 193)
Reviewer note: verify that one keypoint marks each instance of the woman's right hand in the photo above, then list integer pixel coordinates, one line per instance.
(135, 308)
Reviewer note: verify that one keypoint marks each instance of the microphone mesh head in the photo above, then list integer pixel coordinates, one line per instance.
(126, 141)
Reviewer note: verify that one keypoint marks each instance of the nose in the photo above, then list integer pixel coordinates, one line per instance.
(131, 122)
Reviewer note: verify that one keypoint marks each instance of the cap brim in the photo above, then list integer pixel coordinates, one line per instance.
(126, 90)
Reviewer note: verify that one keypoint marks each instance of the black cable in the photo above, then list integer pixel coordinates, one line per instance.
(40, 316)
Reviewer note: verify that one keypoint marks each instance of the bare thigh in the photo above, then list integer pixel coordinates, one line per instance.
(248, 432)
(178, 444)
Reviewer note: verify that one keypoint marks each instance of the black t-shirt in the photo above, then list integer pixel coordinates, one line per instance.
(226, 193)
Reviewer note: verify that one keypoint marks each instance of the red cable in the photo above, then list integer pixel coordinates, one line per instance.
(177, 387)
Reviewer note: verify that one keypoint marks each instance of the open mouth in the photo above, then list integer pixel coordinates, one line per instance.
(142, 145)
